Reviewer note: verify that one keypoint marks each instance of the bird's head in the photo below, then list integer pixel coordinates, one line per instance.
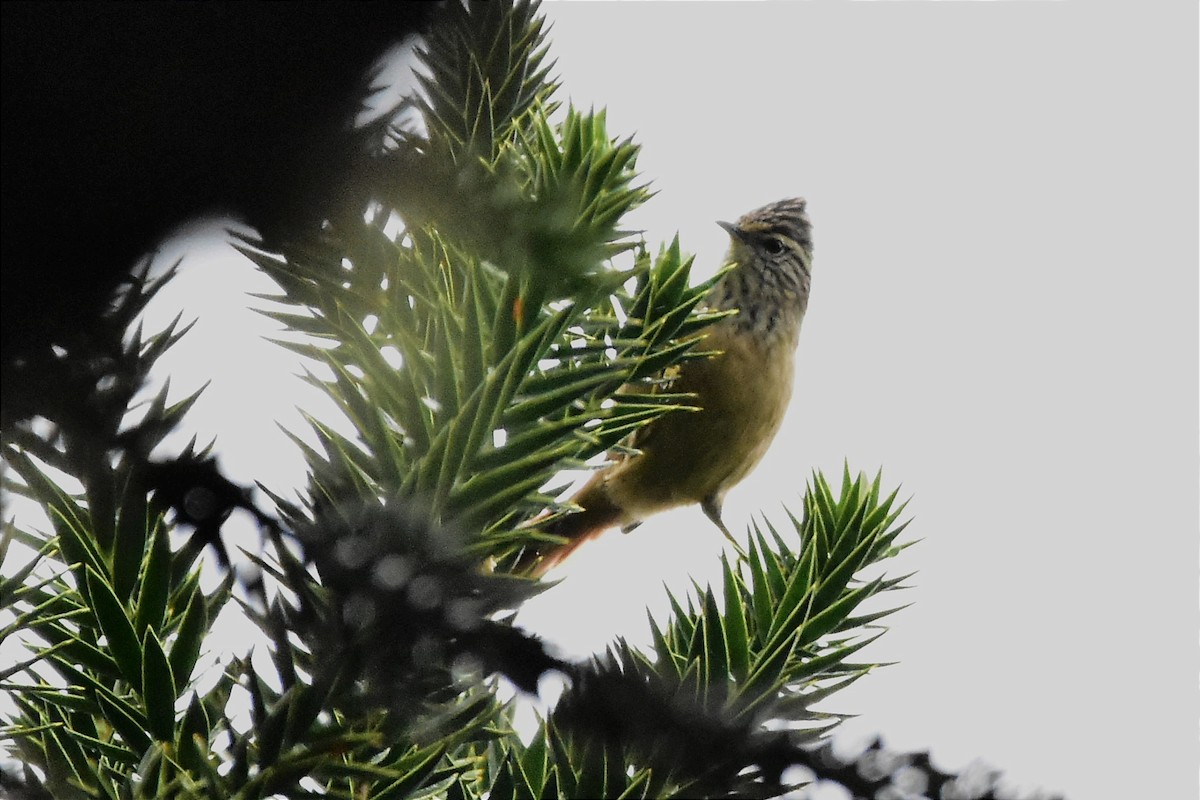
(772, 247)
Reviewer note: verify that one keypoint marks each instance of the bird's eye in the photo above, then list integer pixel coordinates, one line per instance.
(773, 246)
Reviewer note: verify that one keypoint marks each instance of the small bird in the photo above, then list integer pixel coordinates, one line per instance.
(742, 392)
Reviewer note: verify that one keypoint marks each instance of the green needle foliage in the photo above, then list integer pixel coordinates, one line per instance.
(773, 641)
(113, 618)
(488, 324)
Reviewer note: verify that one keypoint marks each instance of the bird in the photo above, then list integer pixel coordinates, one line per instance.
(741, 393)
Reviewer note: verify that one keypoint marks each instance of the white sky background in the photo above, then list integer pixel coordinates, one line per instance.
(1003, 318)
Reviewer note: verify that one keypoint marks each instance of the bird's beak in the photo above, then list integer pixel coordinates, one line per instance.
(733, 230)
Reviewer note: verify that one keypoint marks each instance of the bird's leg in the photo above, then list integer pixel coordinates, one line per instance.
(711, 506)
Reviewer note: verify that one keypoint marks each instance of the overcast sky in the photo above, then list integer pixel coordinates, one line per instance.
(1003, 319)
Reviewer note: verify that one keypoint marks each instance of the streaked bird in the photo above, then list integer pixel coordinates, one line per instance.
(696, 457)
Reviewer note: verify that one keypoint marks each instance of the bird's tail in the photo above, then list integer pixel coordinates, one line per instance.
(598, 515)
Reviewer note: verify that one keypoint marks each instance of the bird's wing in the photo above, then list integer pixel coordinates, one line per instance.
(665, 381)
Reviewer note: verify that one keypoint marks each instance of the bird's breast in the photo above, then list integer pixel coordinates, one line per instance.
(686, 457)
